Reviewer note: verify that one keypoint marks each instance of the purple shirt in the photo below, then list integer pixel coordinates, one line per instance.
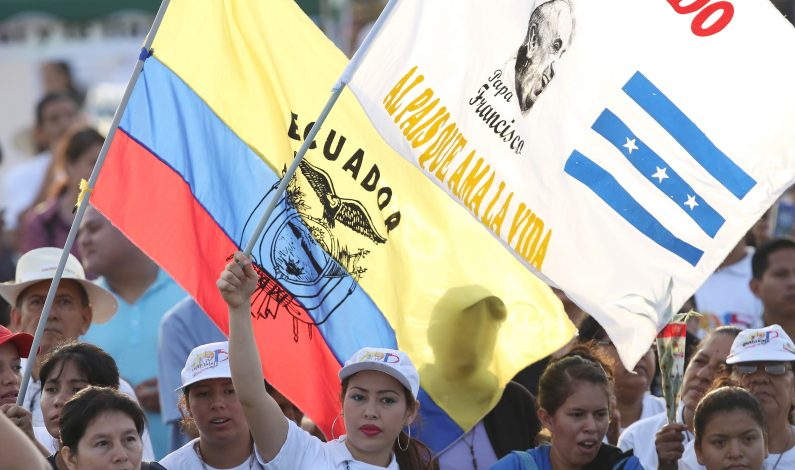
(44, 226)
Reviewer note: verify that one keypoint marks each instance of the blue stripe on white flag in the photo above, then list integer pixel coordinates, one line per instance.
(658, 172)
(689, 136)
(611, 192)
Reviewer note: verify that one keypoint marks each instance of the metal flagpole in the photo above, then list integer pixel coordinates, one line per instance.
(83, 200)
(346, 76)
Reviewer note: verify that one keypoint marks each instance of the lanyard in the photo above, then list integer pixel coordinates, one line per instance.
(204, 465)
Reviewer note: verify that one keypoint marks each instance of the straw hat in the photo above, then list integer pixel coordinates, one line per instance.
(40, 265)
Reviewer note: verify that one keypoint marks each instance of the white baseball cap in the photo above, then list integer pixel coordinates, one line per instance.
(763, 344)
(40, 265)
(389, 361)
(208, 361)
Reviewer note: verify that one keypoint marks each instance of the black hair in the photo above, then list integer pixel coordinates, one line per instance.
(87, 405)
(70, 148)
(725, 399)
(761, 259)
(80, 141)
(48, 99)
(97, 365)
(557, 382)
(590, 330)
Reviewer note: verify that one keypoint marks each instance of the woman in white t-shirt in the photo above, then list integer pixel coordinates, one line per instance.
(210, 402)
(379, 399)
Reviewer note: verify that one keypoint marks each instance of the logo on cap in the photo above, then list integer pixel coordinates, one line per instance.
(377, 356)
(208, 360)
(759, 338)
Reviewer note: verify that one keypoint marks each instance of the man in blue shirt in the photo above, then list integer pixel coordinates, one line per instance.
(145, 293)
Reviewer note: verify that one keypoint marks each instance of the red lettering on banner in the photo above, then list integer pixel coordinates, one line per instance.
(705, 11)
(726, 15)
(687, 9)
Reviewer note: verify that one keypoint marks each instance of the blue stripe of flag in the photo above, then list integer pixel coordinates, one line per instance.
(611, 192)
(658, 172)
(689, 136)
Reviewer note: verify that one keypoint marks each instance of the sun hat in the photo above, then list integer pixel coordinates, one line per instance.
(208, 361)
(763, 344)
(23, 341)
(389, 361)
(40, 265)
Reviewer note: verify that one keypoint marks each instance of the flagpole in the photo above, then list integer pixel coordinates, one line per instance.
(336, 91)
(83, 200)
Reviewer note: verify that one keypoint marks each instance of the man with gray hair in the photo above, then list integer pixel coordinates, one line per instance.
(548, 37)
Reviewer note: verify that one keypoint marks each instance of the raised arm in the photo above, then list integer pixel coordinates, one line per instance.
(268, 425)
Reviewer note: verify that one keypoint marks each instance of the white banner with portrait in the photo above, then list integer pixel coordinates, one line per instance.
(619, 148)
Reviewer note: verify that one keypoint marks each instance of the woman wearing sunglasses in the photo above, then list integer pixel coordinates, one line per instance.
(761, 361)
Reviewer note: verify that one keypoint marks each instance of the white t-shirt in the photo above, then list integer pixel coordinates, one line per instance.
(640, 436)
(725, 298)
(689, 460)
(303, 451)
(21, 185)
(186, 458)
(652, 405)
(45, 439)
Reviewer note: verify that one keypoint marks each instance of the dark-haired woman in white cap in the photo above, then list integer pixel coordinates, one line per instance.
(379, 399)
(761, 361)
(210, 403)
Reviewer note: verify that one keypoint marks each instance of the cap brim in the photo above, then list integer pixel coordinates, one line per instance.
(103, 303)
(204, 377)
(23, 342)
(351, 369)
(755, 356)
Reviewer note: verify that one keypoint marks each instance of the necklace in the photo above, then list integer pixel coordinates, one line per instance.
(786, 448)
(198, 451)
(471, 446)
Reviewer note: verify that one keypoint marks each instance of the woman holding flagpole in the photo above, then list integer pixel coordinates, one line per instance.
(379, 399)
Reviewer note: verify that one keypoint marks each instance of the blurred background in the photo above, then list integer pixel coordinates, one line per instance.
(88, 48)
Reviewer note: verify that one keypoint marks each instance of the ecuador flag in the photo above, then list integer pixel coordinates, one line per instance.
(361, 251)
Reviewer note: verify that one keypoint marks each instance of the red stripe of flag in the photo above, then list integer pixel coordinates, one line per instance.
(155, 208)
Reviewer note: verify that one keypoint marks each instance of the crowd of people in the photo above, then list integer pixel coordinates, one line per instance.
(131, 373)
(585, 410)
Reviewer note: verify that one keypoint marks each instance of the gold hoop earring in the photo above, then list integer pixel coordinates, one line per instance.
(408, 441)
(333, 423)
